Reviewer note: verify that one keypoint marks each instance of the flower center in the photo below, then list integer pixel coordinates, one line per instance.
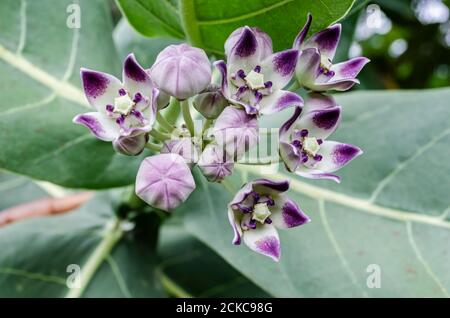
(251, 87)
(255, 80)
(325, 66)
(307, 146)
(261, 212)
(255, 208)
(310, 145)
(123, 104)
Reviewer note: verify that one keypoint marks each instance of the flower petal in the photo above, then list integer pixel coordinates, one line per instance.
(316, 101)
(337, 85)
(307, 67)
(100, 88)
(236, 131)
(326, 40)
(320, 123)
(264, 240)
(242, 194)
(290, 156)
(335, 155)
(279, 67)
(102, 127)
(221, 66)
(304, 172)
(288, 126)
(303, 32)
(246, 52)
(287, 214)
(135, 78)
(279, 100)
(164, 181)
(263, 39)
(266, 186)
(234, 222)
(349, 69)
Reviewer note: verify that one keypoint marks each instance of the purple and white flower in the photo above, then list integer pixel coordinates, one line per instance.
(303, 147)
(181, 71)
(254, 76)
(164, 181)
(215, 164)
(315, 69)
(236, 131)
(257, 210)
(124, 109)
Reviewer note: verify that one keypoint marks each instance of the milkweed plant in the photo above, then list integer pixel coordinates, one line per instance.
(232, 95)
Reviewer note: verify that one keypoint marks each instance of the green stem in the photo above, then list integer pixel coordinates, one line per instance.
(173, 111)
(164, 123)
(206, 125)
(187, 117)
(103, 249)
(160, 136)
(189, 22)
(171, 287)
(295, 86)
(153, 147)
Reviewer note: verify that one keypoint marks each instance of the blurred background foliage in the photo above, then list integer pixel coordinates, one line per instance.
(408, 42)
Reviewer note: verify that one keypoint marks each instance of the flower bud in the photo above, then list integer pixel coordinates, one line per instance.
(130, 146)
(185, 147)
(181, 71)
(164, 181)
(215, 164)
(211, 102)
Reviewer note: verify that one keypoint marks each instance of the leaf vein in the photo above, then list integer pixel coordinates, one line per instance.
(422, 260)
(336, 246)
(245, 16)
(421, 150)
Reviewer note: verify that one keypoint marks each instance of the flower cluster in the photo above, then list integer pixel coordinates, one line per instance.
(135, 113)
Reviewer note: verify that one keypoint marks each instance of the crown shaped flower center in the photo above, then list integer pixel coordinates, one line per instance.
(255, 80)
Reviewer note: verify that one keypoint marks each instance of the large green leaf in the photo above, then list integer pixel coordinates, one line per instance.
(154, 18)
(191, 269)
(391, 209)
(36, 254)
(16, 189)
(207, 24)
(145, 49)
(40, 93)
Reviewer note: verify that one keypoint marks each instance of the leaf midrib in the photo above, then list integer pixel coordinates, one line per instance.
(60, 87)
(317, 193)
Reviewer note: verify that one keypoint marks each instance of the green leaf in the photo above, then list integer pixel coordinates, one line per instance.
(153, 18)
(391, 209)
(191, 269)
(16, 189)
(207, 24)
(40, 58)
(36, 254)
(145, 49)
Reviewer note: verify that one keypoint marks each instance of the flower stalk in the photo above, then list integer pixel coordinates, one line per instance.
(165, 125)
(187, 117)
